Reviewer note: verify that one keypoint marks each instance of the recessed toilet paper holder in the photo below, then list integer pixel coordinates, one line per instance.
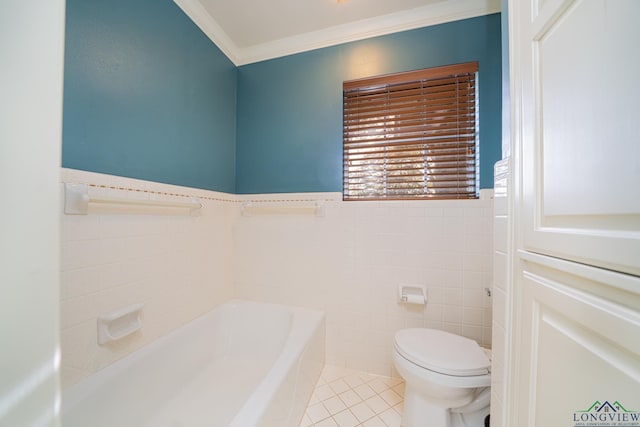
(412, 294)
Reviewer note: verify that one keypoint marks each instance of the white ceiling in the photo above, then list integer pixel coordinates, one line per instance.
(254, 30)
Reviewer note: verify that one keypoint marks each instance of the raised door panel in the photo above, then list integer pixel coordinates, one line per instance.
(580, 130)
(579, 345)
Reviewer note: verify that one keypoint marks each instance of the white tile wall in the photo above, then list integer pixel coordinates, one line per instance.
(501, 293)
(347, 263)
(350, 262)
(178, 266)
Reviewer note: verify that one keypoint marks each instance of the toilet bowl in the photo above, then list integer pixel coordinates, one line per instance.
(447, 378)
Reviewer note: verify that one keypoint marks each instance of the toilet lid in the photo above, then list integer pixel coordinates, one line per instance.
(442, 352)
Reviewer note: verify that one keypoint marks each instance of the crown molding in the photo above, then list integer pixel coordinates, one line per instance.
(438, 13)
(210, 27)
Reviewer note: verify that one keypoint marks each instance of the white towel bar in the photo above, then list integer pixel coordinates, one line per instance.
(77, 201)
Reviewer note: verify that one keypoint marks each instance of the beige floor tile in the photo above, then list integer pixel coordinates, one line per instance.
(378, 385)
(346, 419)
(306, 421)
(364, 391)
(329, 422)
(324, 392)
(353, 380)
(334, 405)
(393, 381)
(391, 418)
(348, 398)
(339, 386)
(374, 422)
(377, 404)
(362, 412)
(317, 413)
(399, 408)
(391, 397)
(399, 389)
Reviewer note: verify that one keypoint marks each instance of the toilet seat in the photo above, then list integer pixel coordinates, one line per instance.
(442, 352)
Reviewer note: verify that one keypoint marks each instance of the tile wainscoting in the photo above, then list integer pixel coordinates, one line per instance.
(178, 266)
(348, 263)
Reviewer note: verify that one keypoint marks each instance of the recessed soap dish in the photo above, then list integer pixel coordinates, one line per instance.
(120, 323)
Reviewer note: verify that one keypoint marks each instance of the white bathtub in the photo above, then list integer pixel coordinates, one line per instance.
(244, 364)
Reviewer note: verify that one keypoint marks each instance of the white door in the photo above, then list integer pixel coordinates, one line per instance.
(576, 210)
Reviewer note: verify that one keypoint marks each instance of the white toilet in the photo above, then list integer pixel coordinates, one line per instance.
(447, 378)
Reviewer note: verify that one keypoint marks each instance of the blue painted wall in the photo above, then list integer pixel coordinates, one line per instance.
(289, 114)
(147, 95)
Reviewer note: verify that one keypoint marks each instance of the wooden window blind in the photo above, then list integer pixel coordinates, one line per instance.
(412, 135)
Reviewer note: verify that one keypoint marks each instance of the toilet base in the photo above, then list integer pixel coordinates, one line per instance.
(475, 413)
(472, 419)
(420, 412)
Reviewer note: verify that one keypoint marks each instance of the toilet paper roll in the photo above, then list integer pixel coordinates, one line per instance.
(414, 299)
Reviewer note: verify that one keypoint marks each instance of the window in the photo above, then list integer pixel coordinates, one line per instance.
(412, 135)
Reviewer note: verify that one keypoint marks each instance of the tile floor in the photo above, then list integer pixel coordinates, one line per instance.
(348, 398)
